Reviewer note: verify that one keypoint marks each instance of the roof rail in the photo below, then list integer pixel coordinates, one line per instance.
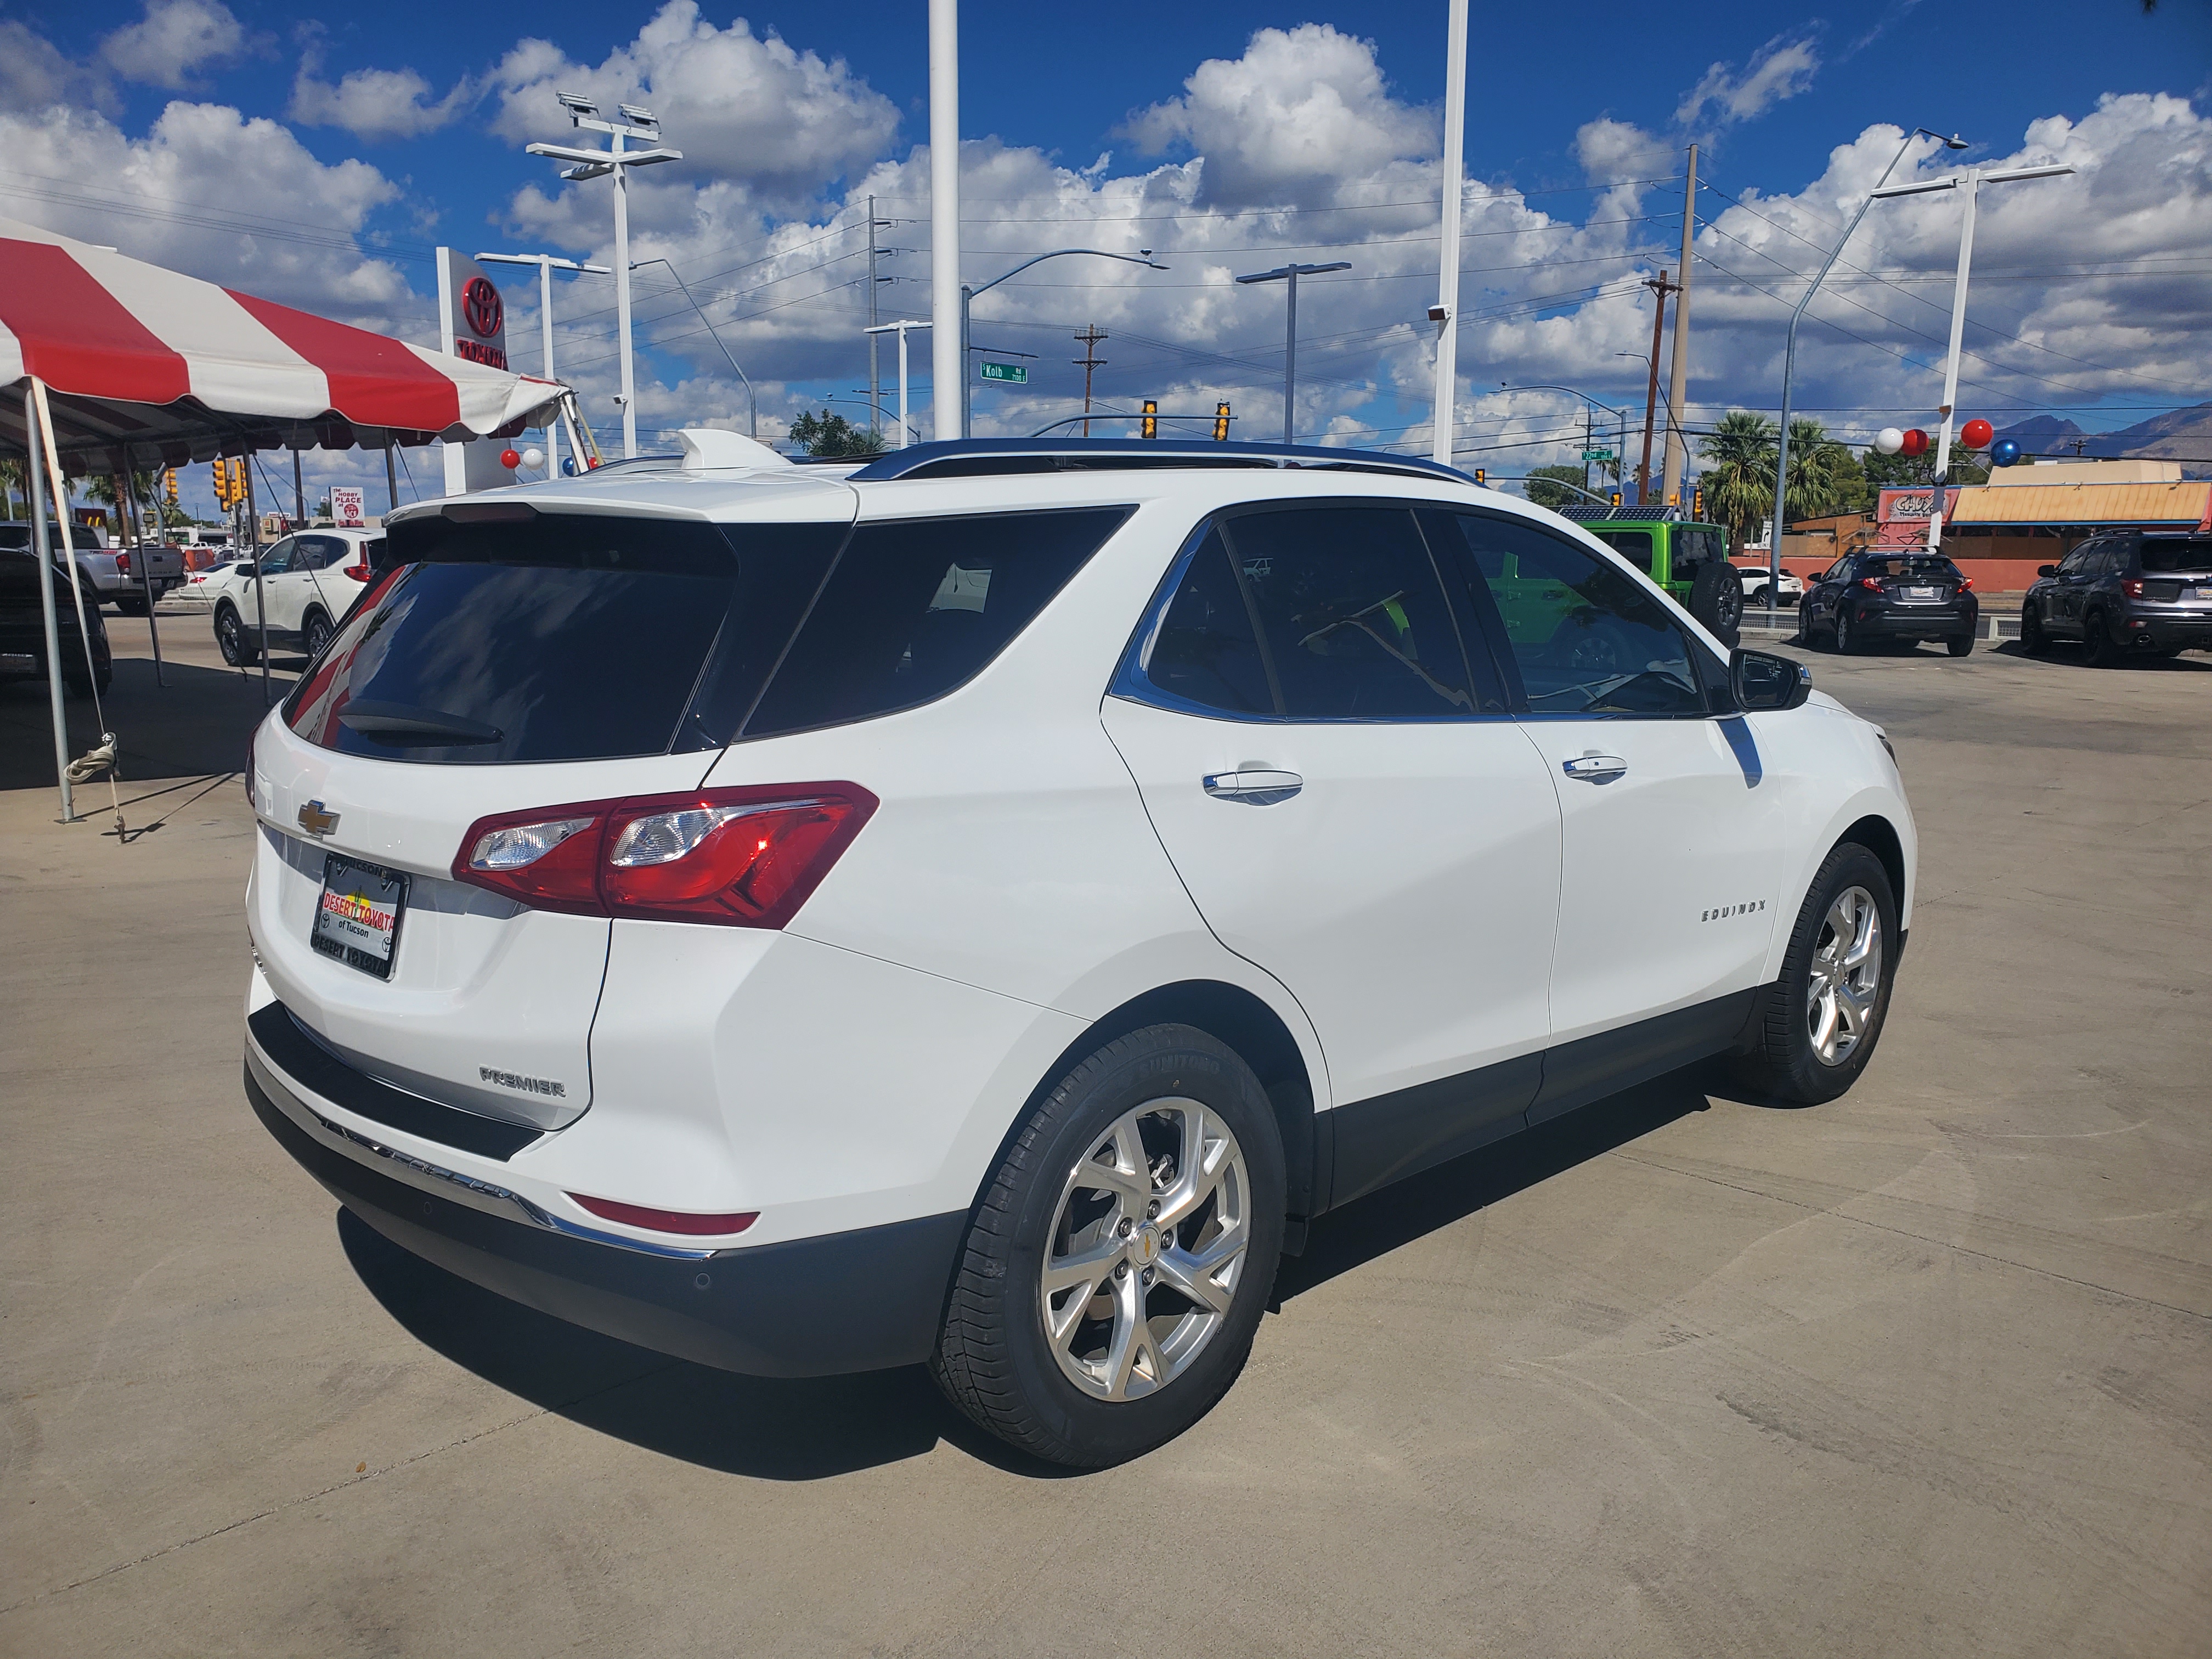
(972, 457)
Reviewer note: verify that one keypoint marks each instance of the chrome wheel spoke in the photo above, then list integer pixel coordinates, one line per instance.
(1132, 1345)
(1084, 1267)
(1208, 1277)
(1843, 981)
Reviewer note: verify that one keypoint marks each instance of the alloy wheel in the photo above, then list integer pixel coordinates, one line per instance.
(1845, 976)
(1146, 1250)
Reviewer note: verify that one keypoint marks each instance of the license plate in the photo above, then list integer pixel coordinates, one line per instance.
(1920, 593)
(357, 918)
(2204, 592)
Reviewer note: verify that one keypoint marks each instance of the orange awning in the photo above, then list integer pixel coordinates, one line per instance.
(2185, 503)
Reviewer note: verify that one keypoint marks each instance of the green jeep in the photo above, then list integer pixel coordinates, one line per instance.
(1690, 561)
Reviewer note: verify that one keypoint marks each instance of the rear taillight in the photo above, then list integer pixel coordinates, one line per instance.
(2132, 587)
(1871, 584)
(123, 564)
(1966, 584)
(743, 858)
(358, 570)
(669, 1221)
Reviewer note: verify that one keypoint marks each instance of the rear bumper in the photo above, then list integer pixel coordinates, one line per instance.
(865, 1300)
(1935, 623)
(2169, 633)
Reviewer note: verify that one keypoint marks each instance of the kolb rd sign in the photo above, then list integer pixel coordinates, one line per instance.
(1015, 373)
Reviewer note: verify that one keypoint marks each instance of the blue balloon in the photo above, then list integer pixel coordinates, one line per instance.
(2004, 451)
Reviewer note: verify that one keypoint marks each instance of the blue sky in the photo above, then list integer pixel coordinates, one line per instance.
(1236, 136)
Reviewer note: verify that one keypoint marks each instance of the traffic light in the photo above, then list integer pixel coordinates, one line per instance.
(169, 484)
(1482, 475)
(1220, 423)
(1698, 503)
(1151, 427)
(1615, 498)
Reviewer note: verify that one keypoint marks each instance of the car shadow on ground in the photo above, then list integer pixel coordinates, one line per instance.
(196, 725)
(807, 1430)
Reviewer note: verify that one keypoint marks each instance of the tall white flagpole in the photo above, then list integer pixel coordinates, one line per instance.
(948, 372)
(1447, 311)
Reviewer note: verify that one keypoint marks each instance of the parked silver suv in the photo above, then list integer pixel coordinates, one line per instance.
(2130, 593)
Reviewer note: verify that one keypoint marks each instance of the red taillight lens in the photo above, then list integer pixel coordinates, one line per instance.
(1871, 584)
(123, 564)
(743, 858)
(358, 570)
(668, 1221)
(1966, 584)
(2131, 586)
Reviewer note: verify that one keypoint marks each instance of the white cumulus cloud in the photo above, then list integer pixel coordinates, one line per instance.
(1781, 68)
(376, 105)
(171, 41)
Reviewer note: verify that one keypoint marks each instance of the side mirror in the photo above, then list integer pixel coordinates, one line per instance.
(1764, 682)
(2046, 570)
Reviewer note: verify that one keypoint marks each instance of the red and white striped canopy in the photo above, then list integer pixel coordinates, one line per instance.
(148, 364)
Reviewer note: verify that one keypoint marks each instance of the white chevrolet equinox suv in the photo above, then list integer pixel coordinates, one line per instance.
(975, 908)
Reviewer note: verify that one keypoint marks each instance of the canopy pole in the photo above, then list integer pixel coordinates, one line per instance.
(390, 473)
(33, 463)
(253, 547)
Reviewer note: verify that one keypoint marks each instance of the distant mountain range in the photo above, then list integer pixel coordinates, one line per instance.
(2183, 435)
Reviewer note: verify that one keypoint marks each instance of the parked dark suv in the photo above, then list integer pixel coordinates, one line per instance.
(2123, 595)
(24, 623)
(1890, 594)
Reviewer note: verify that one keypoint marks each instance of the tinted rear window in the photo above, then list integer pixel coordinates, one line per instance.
(566, 636)
(918, 606)
(2159, 558)
(1921, 569)
(1633, 545)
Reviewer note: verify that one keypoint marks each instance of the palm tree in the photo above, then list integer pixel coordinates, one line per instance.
(1739, 482)
(1818, 465)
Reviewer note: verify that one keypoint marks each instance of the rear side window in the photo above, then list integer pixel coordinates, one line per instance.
(1204, 650)
(562, 636)
(918, 606)
(2163, 558)
(1633, 545)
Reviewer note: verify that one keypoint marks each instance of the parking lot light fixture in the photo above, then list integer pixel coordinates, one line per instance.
(1143, 256)
(1290, 274)
(1970, 182)
(615, 162)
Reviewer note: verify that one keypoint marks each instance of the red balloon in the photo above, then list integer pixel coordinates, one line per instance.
(1975, 434)
(1916, 443)
(510, 460)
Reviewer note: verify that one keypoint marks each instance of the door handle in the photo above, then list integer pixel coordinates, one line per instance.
(1595, 769)
(1254, 786)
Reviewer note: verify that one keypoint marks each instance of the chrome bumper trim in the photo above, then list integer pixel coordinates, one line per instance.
(421, 1173)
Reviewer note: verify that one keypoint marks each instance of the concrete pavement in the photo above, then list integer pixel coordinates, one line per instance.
(1925, 1371)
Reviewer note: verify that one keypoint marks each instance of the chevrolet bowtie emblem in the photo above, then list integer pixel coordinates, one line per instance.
(315, 821)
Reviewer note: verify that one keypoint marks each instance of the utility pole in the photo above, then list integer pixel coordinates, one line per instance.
(1678, 380)
(1661, 288)
(875, 370)
(1089, 361)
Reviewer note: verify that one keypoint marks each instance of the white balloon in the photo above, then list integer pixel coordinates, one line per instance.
(1888, 441)
(533, 457)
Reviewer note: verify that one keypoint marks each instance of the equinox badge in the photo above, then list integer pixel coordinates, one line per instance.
(315, 821)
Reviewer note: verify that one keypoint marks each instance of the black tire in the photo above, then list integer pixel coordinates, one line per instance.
(1847, 643)
(1716, 601)
(2097, 645)
(1806, 636)
(994, 1359)
(1783, 1063)
(1762, 598)
(131, 607)
(315, 634)
(232, 639)
(1960, 645)
(2032, 639)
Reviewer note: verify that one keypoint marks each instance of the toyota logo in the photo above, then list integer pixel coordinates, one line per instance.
(480, 305)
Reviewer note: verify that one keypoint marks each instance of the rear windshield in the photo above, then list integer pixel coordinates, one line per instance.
(574, 636)
(2159, 558)
(1633, 545)
(1920, 569)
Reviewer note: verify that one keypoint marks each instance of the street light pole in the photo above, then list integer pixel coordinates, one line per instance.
(642, 125)
(1620, 415)
(1970, 181)
(1143, 256)
(1290, 274)
(752, 403)
(900, 328)
(947, 309)
(1790, 346)
(546, 263)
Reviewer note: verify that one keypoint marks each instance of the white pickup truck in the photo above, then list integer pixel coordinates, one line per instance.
(110, 575)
